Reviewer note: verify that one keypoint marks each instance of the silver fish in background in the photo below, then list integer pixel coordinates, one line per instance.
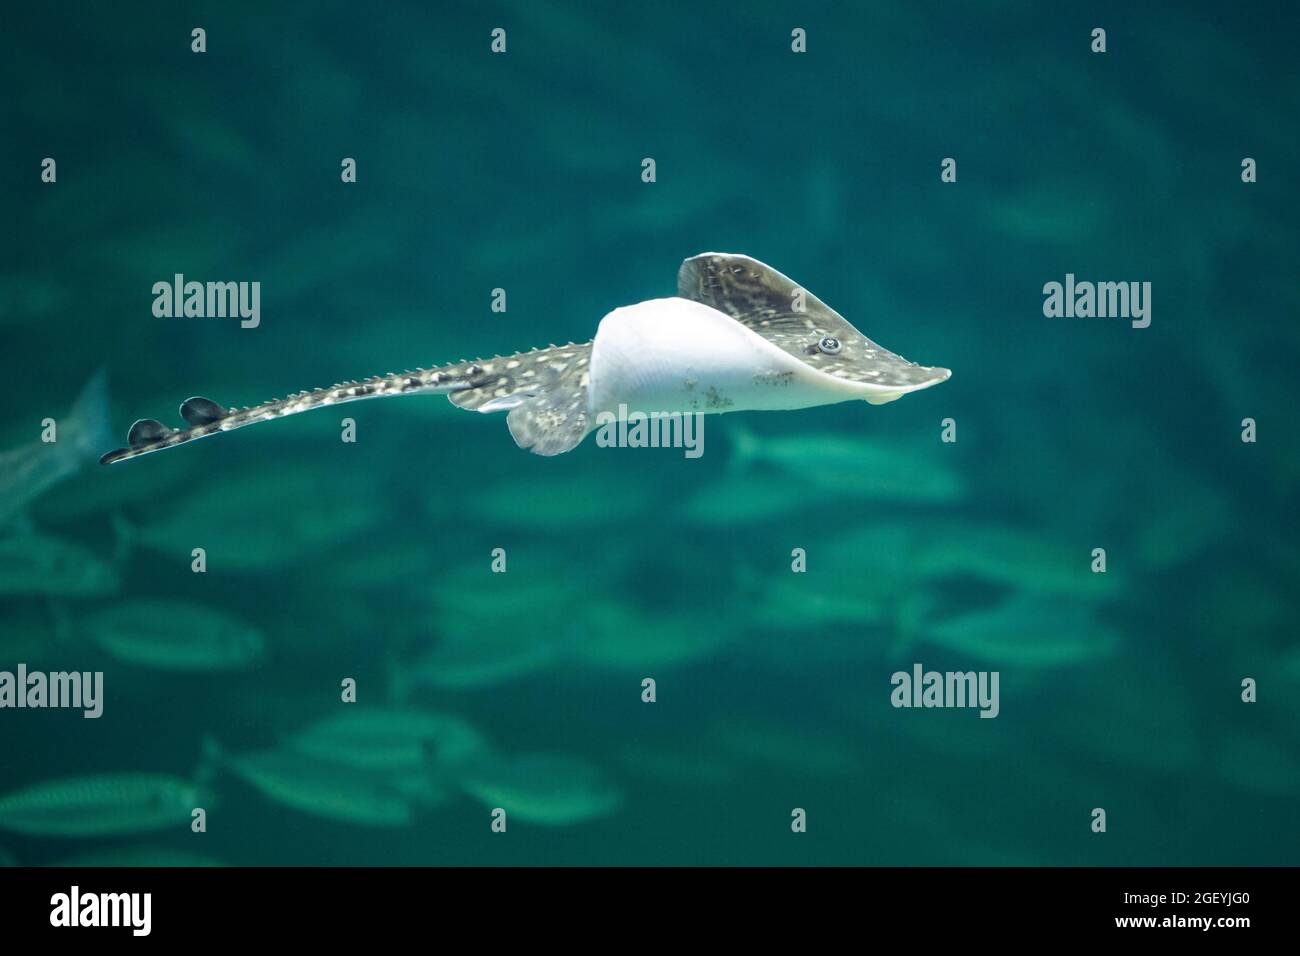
(1024, 631)
(1041, 213)
(1121, 727)
(174, 636)
(547, 789)
(389, 739)
(571, 501)
(991, 552)
(1182, 524)
(1015, 558)
(261, 520)
(32, 298)
(685, 764)
(869, 468)
(496, 651)
(808, 751)
(950, 733)
(321, 788)
(1259, 764)
(137, 856)
(547, 593)
(408, 565)
(31, 634)
(741, 499)
(829, 592)
(101, 805)
(27, 472)
(615, 635)
(41, 564)
(85, 496)
(491, 629)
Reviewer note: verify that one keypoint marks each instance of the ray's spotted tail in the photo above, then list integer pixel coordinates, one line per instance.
(544, 390)
(205, 417)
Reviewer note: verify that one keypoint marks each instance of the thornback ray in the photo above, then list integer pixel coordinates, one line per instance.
(739, 336)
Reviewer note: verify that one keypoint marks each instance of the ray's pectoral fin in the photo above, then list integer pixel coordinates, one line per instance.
(545, 393)
(756, 295)
(554, 422)
(796, 321)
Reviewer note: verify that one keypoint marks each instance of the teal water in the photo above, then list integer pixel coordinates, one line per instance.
(371, 560)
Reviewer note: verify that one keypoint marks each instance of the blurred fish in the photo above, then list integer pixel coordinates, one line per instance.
(862, 467)
(308, 261)
(278, 703)
(389, 739)
(548, 789)
(321, 788)
(174, 636)
(1013, 557)
(108, 804)
(28, 471)
(850, 601)
(1258, 764)
(40, 564)
(206, 139)
(261, 520)
(30, 298)
(31, 634)
(1181, 524)
(1135, 718)
(425, 787)
(407, 564)
(495, 628)
(1022, 631)
(681, 764)
(949, 731)
(878, 559)
(1260, 609)
(87, 494)
(137, 856)
(769, 743)
(741, 499)
(574, 501)
(1288, 667)
(834, 593)
(616, 634)
(1043, 212)
(484, 650)
(471, 588)
(154, 248)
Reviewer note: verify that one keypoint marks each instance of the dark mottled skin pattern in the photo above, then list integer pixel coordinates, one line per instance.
(468, 384)
(545, 390)
(764, 300)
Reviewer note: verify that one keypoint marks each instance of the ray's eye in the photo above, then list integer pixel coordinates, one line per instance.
(829, 345)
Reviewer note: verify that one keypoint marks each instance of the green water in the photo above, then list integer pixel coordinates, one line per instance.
(372, 560)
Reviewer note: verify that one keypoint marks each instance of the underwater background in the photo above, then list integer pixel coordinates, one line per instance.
(372, 560)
